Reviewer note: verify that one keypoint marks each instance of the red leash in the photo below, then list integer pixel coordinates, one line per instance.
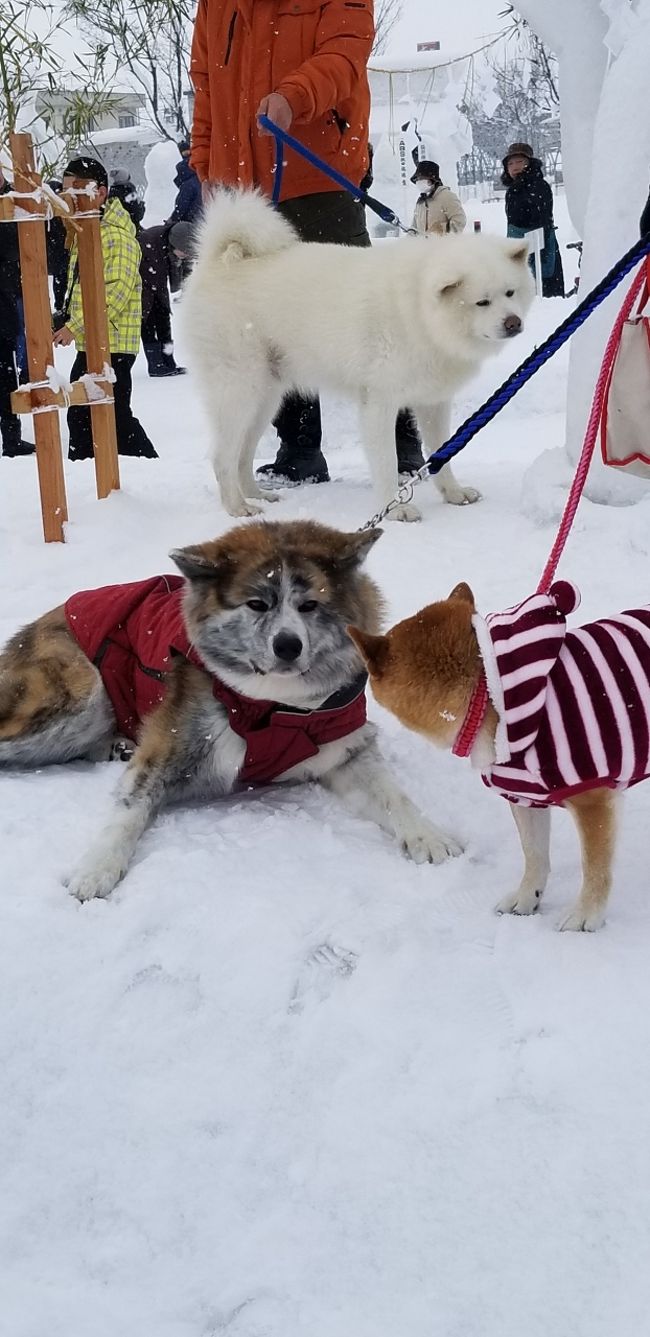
(591, 435)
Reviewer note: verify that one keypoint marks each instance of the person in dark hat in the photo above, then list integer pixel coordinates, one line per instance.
(121, 255)
(529, 205)
(188, 203)
(164, 249)
(438, 210)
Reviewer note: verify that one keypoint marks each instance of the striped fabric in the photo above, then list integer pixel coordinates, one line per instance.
(573, 706)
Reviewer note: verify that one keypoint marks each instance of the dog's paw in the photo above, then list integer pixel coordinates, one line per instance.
(406, 512)
(425, 843)
(579, 921)
(94, 880)
(268, 495)
(242, 509)
(519, 903)
(461, 496)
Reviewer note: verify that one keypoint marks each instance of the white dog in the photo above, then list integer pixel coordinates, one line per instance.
(393, 325)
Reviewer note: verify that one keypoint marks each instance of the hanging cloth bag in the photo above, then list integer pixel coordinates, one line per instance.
(625, 416)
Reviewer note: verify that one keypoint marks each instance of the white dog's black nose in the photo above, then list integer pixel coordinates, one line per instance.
(287, 646)
(512, 325)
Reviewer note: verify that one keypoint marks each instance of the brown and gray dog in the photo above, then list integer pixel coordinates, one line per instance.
(238, 674)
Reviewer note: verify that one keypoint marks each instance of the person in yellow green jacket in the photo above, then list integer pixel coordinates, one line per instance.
(121, 253)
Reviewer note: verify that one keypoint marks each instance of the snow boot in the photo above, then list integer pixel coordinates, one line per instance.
(13, 444)
(159, 362)
(300, 458)
(409, 446)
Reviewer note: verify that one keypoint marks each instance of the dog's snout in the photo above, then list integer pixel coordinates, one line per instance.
(287, 647)
(512, 325)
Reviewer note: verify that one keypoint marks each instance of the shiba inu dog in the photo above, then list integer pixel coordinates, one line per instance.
(550, 717)
(236, 673)
(265, 313)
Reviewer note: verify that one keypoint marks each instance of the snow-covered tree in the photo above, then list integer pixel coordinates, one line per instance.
(602, 48)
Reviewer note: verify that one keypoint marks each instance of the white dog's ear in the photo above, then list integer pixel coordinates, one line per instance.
(518, 251)
(451, 287)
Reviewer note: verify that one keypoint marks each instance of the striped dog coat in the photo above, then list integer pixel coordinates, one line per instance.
(573, 706)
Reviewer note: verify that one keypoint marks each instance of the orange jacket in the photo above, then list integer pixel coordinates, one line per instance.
(314, 52)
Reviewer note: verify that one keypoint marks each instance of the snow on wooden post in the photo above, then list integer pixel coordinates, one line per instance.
(98, 355)
(38, 330)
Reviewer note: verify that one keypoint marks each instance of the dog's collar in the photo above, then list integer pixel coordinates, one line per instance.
(472, 724)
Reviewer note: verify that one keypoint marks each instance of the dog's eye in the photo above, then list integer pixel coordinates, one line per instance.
(258, 606)
(309, 606)
(486, 302)
(510, 292)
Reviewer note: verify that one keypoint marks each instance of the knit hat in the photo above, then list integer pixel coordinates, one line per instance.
(519, 649)
(120, 176)
(181, 237)
(87, 169)
(426, 170)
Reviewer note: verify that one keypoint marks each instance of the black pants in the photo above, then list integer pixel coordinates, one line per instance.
(331, 216)
(9, 422)
(157, 328)
(131, 436)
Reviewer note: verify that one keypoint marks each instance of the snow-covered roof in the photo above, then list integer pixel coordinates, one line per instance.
(144, 134)
(419, 60)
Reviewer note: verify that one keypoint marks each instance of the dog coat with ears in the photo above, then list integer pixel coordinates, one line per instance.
(573, 706)
(132, 634)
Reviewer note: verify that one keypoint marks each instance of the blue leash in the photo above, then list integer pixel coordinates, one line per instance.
(282, 139)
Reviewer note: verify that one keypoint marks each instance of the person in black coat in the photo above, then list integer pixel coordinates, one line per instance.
(188, 203)
(57, 252)
(529, 205)
(161, 247)
(124, 190)
(10, 330)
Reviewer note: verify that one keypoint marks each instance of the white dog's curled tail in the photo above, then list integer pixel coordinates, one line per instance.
(242, 225)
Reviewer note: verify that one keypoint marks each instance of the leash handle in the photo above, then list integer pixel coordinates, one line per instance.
(283, 139)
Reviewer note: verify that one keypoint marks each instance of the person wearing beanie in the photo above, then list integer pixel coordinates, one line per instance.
(529, 205)
(438, 210)
(121, 255)
(160, 272)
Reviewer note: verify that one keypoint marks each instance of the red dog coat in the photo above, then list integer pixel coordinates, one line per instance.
(132, 632)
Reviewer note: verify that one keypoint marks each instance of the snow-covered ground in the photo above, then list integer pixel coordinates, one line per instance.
(283, 1083)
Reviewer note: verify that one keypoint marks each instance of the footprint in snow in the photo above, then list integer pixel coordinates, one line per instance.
(320, 972)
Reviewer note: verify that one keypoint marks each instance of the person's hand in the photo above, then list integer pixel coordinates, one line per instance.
(207, 190)
(276, 107)
(63, 336)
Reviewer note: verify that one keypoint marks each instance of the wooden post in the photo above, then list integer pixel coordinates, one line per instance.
(93, 298)
(38, 328)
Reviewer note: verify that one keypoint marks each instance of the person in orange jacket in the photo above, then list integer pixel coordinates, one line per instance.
(303, 64)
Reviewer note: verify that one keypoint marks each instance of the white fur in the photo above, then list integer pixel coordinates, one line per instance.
(390, 326)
